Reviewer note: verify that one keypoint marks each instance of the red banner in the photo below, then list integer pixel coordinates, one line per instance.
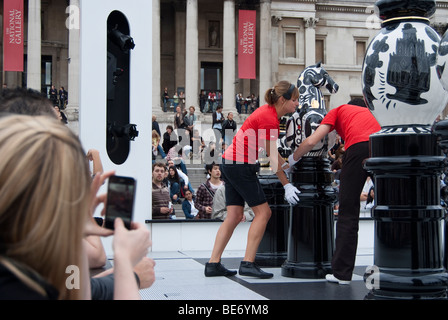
(247, 52)
(13, 35)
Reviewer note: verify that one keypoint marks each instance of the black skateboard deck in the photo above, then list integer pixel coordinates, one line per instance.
(119, 45)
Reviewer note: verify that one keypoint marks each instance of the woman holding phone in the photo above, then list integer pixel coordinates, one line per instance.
(47, 198)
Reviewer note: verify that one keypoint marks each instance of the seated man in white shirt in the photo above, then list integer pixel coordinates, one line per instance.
(188, 206)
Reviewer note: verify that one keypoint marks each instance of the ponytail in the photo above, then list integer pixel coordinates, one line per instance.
(281, 89)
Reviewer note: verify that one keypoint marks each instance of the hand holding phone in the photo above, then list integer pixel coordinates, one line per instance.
(120, 200)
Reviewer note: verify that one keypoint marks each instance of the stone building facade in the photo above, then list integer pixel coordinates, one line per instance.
(195, 47)
(290, 36)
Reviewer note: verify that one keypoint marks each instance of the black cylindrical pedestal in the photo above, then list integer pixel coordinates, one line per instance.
(408, 217)
(311, 226)
(440, 129)
(272, 249)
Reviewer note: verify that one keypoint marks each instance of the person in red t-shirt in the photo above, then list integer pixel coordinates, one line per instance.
(239, 171)
(354, 123)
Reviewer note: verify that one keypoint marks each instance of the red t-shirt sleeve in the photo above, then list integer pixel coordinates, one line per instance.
(330, 118)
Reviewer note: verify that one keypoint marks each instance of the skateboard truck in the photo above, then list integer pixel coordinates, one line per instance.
(128, 131)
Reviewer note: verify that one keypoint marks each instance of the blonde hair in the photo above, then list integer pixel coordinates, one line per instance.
(44, 197)
(155, 138)
(273, 94)
(155, 135)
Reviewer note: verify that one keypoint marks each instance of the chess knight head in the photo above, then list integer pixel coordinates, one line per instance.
(311, 108)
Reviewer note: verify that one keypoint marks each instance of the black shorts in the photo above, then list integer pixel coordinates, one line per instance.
(242, 184)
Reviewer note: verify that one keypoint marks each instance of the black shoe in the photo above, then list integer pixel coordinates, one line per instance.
(217, 270)
(252, 270)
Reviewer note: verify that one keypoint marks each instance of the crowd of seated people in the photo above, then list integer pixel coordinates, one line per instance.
(209, 152)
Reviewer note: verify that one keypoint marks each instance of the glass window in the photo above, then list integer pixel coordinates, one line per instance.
(360, 52)
(211, 76)
(290, 45)
(320, 56)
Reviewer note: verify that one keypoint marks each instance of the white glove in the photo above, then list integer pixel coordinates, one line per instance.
(291, 163)
(291, 193)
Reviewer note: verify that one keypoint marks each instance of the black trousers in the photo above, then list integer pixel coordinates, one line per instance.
(352, 179)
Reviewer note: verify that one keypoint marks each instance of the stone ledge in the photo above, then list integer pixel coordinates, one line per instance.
(181, 220)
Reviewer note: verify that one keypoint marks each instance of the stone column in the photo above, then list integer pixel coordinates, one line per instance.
(310, 41)
(192, 56)
(156, 71)
(34, 45)
(72, 110)
(229, 92)
(275, 20)
(180, 47)
(265, 48)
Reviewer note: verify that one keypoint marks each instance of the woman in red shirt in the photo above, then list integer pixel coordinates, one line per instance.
(239, 171)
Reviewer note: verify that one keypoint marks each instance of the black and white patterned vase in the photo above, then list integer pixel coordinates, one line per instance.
(442, 61)
(401, 76)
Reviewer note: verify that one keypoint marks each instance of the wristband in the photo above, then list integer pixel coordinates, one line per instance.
(291, 160)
